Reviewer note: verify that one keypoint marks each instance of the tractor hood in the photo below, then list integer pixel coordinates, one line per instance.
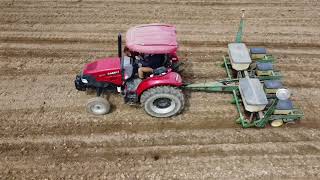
(102, 66)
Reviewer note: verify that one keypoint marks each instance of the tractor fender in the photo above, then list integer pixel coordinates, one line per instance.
(168, 79)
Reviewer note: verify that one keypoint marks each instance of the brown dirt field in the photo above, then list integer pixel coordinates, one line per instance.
(45, 132)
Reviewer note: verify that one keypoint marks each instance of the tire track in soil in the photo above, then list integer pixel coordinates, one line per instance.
(73, 152)
(205, 167)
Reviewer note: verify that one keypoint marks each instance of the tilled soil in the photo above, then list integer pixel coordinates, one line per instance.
(45, 132)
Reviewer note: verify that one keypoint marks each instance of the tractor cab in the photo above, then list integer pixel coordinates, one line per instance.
(158, 62)
(151, 45)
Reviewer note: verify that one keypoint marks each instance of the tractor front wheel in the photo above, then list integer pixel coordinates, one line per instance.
(98, 106)
(163, 101)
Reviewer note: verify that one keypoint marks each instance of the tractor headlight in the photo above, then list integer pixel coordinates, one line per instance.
(85, 81)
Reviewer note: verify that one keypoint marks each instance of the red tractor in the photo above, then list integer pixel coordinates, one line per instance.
(159, 92)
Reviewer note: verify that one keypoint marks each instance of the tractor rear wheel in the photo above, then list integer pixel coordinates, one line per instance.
(162, 101)
(98, 106)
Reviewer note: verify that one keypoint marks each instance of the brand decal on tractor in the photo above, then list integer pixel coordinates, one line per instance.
(112, 73)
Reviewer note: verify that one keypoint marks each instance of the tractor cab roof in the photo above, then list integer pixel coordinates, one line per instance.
(152, 39)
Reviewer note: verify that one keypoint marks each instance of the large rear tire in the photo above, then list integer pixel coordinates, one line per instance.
(163, 101)
(98, 106)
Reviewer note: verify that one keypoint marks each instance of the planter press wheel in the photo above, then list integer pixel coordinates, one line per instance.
(276, 123)
(98, 106)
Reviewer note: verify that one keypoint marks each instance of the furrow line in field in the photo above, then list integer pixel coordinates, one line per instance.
(301, 137)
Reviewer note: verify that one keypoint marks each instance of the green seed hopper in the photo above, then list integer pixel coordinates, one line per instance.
(256, 87)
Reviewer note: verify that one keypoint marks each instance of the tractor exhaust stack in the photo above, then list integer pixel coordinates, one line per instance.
(119, 45)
